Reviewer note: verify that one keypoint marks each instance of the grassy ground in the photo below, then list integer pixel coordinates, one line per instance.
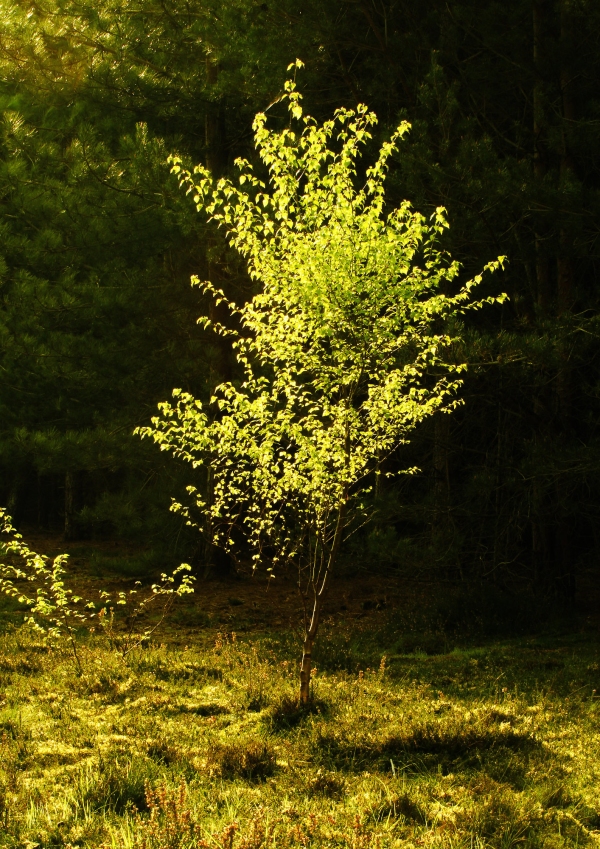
(200, 744)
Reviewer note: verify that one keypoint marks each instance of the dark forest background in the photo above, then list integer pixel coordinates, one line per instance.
(97, 245)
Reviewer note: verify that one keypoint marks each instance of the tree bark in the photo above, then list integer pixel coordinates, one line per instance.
(441, 487)
(69, 487)
(565, 297)
(543, 507)
(220, 370)
(541, 27)
(213, 121)
(319, 594)
(306, 669)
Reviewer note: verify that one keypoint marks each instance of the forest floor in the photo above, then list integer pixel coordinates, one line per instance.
(423, 731)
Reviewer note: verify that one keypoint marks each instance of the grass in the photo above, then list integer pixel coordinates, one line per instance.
(202, 745)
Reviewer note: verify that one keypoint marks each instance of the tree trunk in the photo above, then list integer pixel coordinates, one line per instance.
(213, 122)
(310, 635)
(541, 27)
(69, 486)
(319, 593)
(543, 549)
(17, 496)
(441, 528)
(565, 298)
(306, 669)
(220, 368)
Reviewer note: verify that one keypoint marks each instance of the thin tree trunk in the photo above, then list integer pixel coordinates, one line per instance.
(69, 486)
(541, 13)
(440, 528)
(319, 594)
(213, 122)
(306, 668)
(498, 498)
(542, 548)
(564, 580)
(215, 559)
(39, 501)
(17, 498)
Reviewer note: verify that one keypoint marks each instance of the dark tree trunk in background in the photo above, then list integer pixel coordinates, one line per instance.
(18, 496)
(548, 533)
(69, 533)
(565, 300)
(213, 123)
(541, 35)
(216, 561)
(441, 527)
(555, 272)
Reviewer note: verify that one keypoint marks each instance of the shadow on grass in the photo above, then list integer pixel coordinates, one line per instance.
(431, 744)
(204, 709)
(252, 760)
(187, 671)
(287, 713)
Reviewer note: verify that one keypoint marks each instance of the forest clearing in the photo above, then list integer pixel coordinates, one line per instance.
(303, 555)
(496, 746)
(416, 735)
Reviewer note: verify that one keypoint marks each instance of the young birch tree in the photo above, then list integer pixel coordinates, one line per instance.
(339, 359)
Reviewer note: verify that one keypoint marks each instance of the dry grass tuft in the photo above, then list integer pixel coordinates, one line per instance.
(327, 784)
(399, 806)
(252, 760)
